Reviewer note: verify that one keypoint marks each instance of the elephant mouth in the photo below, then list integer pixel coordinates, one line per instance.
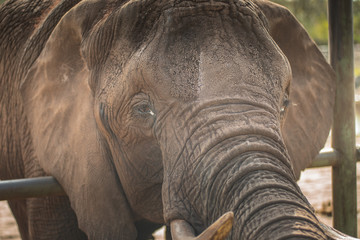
(220, 229)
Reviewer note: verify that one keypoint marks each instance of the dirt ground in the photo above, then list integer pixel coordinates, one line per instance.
(8, 227)
(315, 184)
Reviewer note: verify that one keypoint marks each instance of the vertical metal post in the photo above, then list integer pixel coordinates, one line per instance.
(343, 132)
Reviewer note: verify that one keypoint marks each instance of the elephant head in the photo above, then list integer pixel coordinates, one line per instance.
(181, 110)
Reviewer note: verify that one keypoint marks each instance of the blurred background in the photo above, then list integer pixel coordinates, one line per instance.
(313, 15)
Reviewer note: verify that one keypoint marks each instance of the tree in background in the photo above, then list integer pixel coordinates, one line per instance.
(356, 11)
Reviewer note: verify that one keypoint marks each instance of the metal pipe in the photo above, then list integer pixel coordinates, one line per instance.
(327, 157)
(343, 132)
(30, 187)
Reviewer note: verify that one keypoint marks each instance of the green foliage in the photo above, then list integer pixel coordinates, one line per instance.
(1, 1)
(356, 20)
(313, 15)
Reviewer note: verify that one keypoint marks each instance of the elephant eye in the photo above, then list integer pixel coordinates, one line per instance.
(284, 106)
(144, 109)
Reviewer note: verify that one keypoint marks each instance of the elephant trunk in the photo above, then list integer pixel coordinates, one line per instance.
(240, 166)
(267, 202)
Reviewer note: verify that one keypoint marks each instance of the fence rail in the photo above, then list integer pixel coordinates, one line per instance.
(49, 186)
(29, 188)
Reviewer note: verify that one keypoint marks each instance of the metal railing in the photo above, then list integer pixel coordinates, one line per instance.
(30, 188)
(342, 160)
(48, 186)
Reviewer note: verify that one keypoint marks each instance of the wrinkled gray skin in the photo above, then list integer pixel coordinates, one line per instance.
(149, 111)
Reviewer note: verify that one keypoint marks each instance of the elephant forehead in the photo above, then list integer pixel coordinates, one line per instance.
(191, 52)
(189, 42)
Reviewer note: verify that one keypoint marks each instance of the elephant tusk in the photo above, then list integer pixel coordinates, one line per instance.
(334, 234)
(182, 230)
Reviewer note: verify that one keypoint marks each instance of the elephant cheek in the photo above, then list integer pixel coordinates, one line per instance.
(139, 167)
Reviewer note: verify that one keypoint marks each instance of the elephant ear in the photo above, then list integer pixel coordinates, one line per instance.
(59, 107)
(312, 91)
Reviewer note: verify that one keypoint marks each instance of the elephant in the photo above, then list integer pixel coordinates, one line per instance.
(162, 112)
